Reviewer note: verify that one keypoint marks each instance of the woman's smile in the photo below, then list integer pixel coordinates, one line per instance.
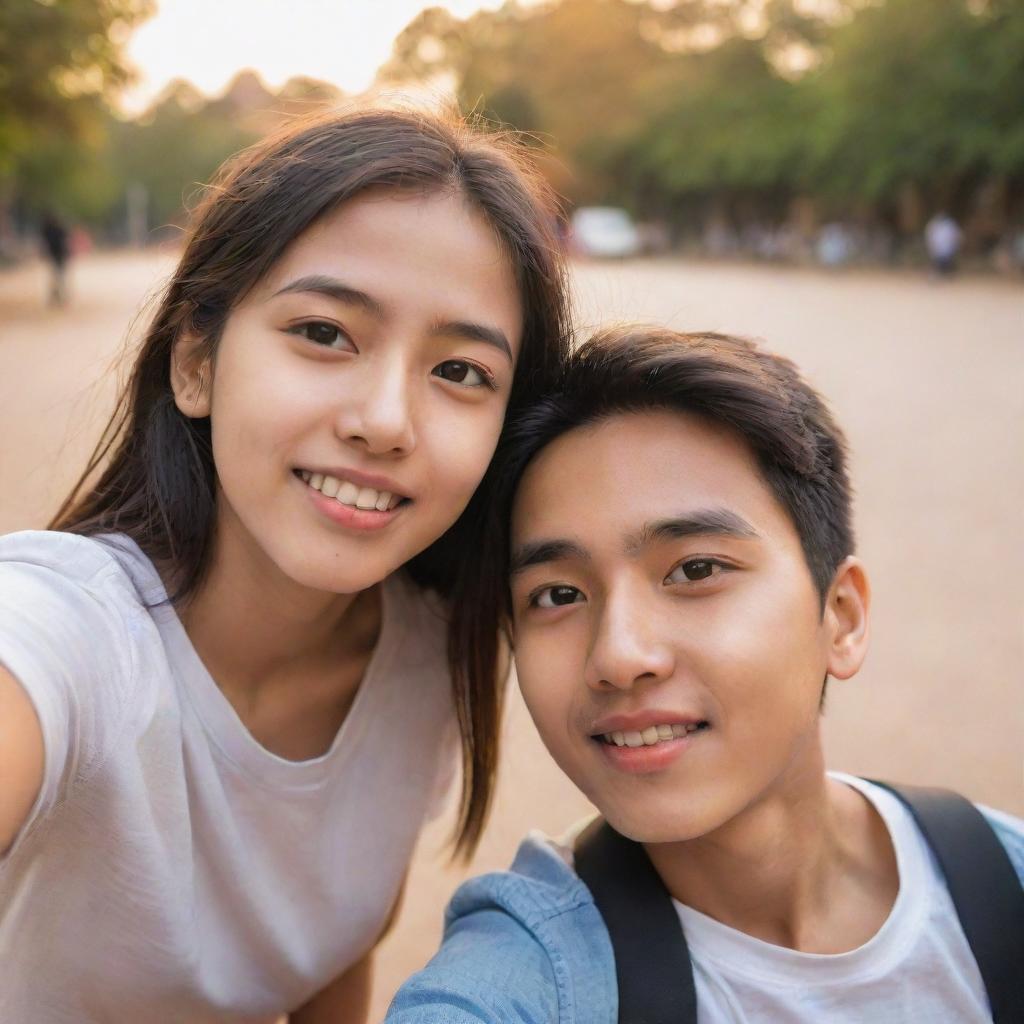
(347, 489)
(351, 506)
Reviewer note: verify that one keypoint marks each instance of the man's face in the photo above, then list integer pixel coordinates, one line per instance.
(669, 639)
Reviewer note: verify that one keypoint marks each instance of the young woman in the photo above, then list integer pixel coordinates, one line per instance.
(224, 711)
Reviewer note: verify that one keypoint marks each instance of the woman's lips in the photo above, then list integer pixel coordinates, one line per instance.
(348, 516)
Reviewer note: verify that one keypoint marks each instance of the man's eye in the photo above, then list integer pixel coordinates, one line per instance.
(460, 372)
(322, 333)
(556, 597)
(694, 570)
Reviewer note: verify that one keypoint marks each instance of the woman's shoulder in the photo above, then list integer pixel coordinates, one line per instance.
(71, 587)
(87, 561)
(69, 554)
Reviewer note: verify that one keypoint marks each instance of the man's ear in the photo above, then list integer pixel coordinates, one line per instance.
(847, 614)
(191, 375)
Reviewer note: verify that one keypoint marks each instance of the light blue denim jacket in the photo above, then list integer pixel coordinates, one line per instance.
(528, 946)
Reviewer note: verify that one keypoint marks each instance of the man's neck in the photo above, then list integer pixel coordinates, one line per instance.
(808, 865)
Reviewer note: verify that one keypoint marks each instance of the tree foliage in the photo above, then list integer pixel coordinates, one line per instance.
(659, 104)
(59, 59)
(671, 107)
(922, 92)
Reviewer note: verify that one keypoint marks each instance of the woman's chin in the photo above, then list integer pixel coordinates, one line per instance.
(336, 579)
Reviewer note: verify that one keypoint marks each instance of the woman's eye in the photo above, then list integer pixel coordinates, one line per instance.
(694, 570)
(322, 333)
(556, 597)
(460, 372)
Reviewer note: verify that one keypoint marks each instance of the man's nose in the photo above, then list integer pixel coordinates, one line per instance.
(629, 645)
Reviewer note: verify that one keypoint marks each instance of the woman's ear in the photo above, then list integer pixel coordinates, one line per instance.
(191, 376)
(847, 609)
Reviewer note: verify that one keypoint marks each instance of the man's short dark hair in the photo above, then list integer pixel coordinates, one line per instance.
(724, 380)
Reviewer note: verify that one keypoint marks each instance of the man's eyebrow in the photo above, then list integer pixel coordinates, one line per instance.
(701, 522)
(334, 289)
(475, 332)
(538, 552)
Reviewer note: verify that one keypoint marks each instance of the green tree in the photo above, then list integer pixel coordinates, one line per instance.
(728, 131)
(556, 71)
(671, 105)
(178, 144)
(920, 93)
(59, 61)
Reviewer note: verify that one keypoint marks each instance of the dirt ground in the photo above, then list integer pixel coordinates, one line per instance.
(928, 380)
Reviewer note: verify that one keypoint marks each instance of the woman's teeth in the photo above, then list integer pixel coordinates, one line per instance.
(348, 493)
(651, 735)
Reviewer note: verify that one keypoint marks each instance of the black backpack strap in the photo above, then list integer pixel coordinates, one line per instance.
(986, 891)
(652, 960)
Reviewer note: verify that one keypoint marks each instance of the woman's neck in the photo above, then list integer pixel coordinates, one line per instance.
(289, 659)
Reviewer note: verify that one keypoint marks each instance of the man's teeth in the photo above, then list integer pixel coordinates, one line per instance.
(651, 735)
(348, 493)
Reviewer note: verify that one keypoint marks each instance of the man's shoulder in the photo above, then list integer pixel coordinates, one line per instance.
(1010, 832)
(523, 945)
(538, 887)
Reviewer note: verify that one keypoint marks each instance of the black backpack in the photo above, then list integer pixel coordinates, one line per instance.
(652, 961)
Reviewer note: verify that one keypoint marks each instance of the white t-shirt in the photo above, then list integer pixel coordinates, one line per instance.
(917, 967)
(172, 869)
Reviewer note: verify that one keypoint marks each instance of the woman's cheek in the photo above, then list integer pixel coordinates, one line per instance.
(464, 454)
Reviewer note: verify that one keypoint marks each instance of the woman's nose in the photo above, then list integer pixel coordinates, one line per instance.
(380, 414)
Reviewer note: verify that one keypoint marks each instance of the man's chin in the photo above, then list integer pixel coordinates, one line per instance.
(650, 821)
(654, 833)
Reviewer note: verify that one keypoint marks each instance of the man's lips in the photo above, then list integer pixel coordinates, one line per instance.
(648, 759)
(647, 741)
(648, 718)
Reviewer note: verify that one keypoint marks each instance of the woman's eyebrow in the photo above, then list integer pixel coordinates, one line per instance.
(335, 289)
(474, 332)
(332, 287)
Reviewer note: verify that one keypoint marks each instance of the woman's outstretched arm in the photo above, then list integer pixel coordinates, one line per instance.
(21, 758)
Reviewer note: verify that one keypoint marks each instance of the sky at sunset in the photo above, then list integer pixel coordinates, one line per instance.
(209, 41)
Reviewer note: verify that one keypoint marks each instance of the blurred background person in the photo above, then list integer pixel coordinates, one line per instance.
(56, 247)
(942, 237)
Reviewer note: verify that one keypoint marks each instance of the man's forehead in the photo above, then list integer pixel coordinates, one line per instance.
(634, 477)
(665, 460)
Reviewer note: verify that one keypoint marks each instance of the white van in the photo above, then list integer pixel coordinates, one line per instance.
(606, 231)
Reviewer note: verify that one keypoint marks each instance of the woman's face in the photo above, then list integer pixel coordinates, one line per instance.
(358, 391)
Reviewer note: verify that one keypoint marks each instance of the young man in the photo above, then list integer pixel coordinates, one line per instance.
(682, 586)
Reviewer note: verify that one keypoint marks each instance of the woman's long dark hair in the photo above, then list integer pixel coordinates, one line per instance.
(156, 478)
